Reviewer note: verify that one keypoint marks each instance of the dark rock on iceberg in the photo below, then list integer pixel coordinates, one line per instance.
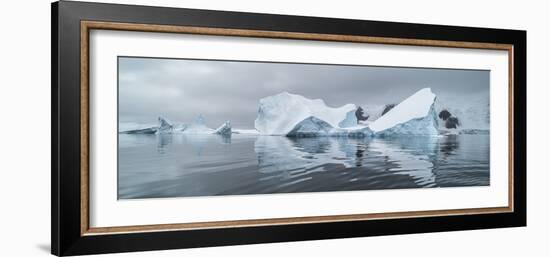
(360, 114)
(444, 114)
(452, 123)
(387, 108)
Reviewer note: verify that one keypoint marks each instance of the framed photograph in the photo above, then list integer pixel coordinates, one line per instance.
(178, 128)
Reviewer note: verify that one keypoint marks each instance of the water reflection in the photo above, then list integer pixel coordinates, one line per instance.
(163, 140)
(200, 165)
(449, 144)
(411, 156)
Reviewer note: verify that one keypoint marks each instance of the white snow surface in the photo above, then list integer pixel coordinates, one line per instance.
(279, 114)
(417, 106)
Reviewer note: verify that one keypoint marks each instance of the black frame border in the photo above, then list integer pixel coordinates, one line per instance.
(66, 235)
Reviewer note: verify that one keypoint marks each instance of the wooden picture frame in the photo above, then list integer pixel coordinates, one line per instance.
(71, 25)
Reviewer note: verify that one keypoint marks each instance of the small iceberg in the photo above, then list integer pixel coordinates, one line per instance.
(151, 130)
(224, 129)
(165, 126)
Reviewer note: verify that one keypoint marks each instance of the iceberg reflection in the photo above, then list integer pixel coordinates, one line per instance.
(411, 156)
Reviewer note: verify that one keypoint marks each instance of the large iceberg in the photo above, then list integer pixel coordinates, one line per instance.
(296, 116)
(279, 114)
(416, 115)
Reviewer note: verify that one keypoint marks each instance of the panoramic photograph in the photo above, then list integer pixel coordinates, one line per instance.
(192, 128)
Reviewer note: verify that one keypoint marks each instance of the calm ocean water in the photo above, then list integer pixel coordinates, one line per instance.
(157, 166)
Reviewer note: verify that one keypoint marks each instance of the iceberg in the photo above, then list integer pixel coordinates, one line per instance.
(198, 126)
(151, 130)
(224, 129)
(416, 115)
(315, 127)
(165, 126)
(279, 114)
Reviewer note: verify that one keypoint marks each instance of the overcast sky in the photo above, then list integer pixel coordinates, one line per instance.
(180, 89)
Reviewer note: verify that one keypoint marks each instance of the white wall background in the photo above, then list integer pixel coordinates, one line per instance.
(25, 127)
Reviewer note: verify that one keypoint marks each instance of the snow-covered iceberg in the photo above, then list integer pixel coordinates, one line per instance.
(279, 114)
(296, 116)
(415, 115)
(224, 129)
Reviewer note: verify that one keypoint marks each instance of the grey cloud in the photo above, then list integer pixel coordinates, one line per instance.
(182, 89)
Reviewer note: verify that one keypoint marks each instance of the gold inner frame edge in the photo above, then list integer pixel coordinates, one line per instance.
(86, 26)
